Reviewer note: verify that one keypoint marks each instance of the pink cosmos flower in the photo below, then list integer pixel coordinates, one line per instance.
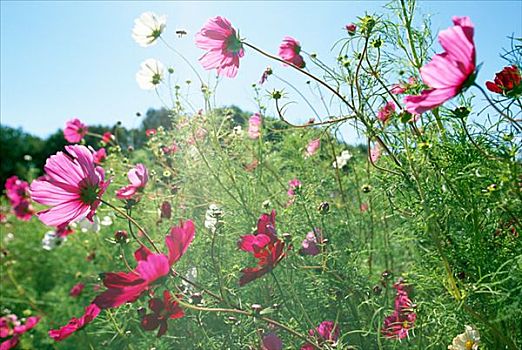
(91, 312)
(449, 72)
(107, 137)
(173, 148)
(138, 177)
(75, 130)
(99, 156)
(73, 186)
(309, 245)
(10, 326)
(162, 310)
(77, 289)
(254, 126)
(375, 152)
(386, 111)
(223, 45)
(293, 185)
(271, 342)
(327, 332)
(364, 207)
(265, 246)
(399, 323)
(150, 132)
(401, 88)
(18, 193)
(126, 287)
(312, 147)
(16, 190)
(289, 50)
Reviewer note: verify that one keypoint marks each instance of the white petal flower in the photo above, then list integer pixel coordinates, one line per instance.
(51, 240)
(469, 340)
(147, 28)
(106, 221)
(85, 225)
(213, 217)
(150, 74)
(341, 161)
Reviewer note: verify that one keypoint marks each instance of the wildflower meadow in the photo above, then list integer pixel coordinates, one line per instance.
(213, 227)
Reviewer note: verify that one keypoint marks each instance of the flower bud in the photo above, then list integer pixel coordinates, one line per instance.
(323, 208)
(121, 236)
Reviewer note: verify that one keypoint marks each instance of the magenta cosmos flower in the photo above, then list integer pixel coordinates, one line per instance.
(265, 247)
(18, 193)
(138, 178)
(76, 290)
(507, 82)
(401, 321)
(289, 50)
(449, 72)
(224, 48)
(126, 287)
(91, 312)
(326, 332)
(75, 130)
(162, 310)
(72, 187)
(11, 329)
(271, 341)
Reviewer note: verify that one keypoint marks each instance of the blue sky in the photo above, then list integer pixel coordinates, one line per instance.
(77, 59)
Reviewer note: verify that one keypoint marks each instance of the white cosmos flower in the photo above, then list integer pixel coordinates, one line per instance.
(148, 27)
(342, 160)
(85, 225)
(51, 240)
(150, 74)
(106, 221)
(469, 340)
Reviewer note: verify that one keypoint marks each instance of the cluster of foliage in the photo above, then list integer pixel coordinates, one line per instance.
(269, 235)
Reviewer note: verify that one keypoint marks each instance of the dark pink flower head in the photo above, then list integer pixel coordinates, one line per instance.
(24, 210)
(150, 132)
(126, 287)
(91, 312)
(76, 290)
(265, 247)
(351, 28)
(254, 126)
(399, 323)
(16, 190)
(386, 111)
(166, 210)
(327, 332)
(72, 187)
(507, 82)
(290, 50)
(107, 137)
(64, 231)
(173, 148)
(138, 178)
(75, 130)
(223, 46)
(271, 342)
(162, 310)
(99, 156)
(449, 72)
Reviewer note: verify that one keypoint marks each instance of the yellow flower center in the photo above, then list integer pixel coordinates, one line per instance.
(405, 324)
(469, 344)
